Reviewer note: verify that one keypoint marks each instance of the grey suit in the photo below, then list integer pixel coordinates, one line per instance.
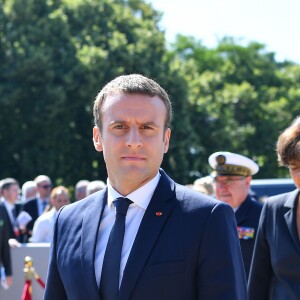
(275, 269)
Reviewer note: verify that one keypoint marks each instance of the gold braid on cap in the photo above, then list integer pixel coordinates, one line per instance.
(227, 169)
(232, 170)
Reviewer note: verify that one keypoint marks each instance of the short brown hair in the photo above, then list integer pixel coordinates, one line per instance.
(57, 190)
(6, 183)
(288, 144)
(131, 84)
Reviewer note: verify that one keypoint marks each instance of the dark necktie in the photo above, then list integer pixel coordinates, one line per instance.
(15, 222)
(14, 213)
(109, 285)
(44, 204)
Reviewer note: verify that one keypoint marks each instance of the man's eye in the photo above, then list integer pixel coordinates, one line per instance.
(147, 127)
(120, 126)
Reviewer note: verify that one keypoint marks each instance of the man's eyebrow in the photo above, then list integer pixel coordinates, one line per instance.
(117, 122)
(149, 123)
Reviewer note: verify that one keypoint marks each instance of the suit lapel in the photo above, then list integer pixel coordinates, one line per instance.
(153, 221)
(90, 227)
(290, 217)
(10, 226)
(35, 209)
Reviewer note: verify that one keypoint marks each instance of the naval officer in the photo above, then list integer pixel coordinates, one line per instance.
(232, 176)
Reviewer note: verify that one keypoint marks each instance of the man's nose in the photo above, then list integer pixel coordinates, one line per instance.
(134, 138)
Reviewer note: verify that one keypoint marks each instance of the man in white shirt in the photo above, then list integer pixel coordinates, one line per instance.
(43, 227)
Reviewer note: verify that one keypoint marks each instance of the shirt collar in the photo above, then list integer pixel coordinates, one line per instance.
(236, 208)
(8, 205)
(140, 197)
(41, 201)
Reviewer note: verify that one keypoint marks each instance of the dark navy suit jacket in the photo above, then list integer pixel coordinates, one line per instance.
(5, 259)
(10, 226)
(247, 217)
(31, 207)
(275, 269)
(189, 252)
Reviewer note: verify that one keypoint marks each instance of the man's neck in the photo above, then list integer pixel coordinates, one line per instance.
(10, 201)
(42, 198)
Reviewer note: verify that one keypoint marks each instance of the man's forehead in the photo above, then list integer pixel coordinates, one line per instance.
(44, 181)
(14, 186)
(229, 176)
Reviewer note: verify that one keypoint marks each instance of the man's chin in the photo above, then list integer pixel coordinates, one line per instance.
(134, 172)
(225, 199)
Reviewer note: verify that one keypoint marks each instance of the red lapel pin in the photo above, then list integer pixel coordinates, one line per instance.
(158, 213)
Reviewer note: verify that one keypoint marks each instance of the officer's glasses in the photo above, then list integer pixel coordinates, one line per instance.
(228, 181)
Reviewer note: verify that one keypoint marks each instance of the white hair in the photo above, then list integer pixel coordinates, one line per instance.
(28, 186)
(95, 186)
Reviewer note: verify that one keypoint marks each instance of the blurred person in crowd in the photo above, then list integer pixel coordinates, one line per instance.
(275, 268)
(5, 257)
(10, 195)
(204, 185)
(232, 176)
(173, 242)
(80, 189)
(37, 206)
(43, 227)
(1, 188)
(29, 191)
(95, 186)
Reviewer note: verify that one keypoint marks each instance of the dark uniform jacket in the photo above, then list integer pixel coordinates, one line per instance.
(247, 218)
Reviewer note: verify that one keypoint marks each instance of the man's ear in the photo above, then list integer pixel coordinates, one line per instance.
(167, 139)
(97, 139)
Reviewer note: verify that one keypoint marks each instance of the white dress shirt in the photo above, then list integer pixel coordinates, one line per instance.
(43, 227)
(141, 199)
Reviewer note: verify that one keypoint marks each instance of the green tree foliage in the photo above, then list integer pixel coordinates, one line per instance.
(241, 99)
(40, 83)
(57, 55)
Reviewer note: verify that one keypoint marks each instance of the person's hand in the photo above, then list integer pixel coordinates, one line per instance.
(9, 280)
(13, 243)
(23, 229)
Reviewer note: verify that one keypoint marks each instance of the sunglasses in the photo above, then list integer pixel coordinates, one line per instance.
(49, 186)
(229, 181)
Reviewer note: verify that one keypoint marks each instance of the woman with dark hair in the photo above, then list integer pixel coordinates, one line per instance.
(275, 268)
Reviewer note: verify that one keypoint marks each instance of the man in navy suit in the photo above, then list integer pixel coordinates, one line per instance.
(178, 243)
(232, 177)
(5, 257)
(10, 193)
(35, 207)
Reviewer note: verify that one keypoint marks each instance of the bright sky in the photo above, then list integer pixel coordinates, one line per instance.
(274, 23)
